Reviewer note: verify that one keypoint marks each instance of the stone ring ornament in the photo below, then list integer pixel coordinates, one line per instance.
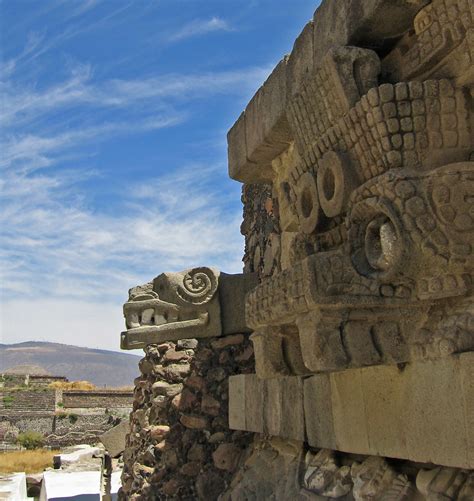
(335, 183)
(307, 202)
(375, 236)
(199, 286)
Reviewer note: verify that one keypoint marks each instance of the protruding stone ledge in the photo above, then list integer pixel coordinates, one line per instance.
(423, 411)
(262, 132)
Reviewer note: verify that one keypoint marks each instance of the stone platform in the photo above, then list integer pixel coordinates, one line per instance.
(422, 411)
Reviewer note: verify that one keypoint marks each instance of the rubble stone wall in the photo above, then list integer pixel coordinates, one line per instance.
(97, 399)
(41, 400)
(180, 445)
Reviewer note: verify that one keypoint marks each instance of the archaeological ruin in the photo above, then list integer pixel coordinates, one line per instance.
(340, 363)
(31, 400)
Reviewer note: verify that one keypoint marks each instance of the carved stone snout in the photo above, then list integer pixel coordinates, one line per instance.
(196, 303)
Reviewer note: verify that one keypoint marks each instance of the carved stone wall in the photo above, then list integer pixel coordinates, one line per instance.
(356, 158)
(180, 445)
(363, 318)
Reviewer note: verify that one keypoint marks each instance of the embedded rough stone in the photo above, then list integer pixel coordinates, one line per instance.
(194, 422)
(114, 439)
(226, 457)
(166, 389)
(227, 341)
(197, 383)
(210, 406)
(184, 401)
(159, 432)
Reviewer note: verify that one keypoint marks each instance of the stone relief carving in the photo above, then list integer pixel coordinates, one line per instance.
(358, 220)
(375, 202)
(199, 302)
(442, 43)
(323, 476)
(446, 483)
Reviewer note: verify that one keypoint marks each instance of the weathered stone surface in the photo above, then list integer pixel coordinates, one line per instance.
(292, 412)
(166, 389)
(348, 406)
(228, 341)
(380, 410)
(210, 406)
(176, 436)
(158, 432)
(358, 221)
(318, 412)
(201, 302)
(254, 403)
(262, 133)
(237, 409)
(194, 422)
(226, 456)
(114, 439)
(258, 137)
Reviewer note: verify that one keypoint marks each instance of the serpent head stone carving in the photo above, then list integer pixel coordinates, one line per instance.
(199, 302)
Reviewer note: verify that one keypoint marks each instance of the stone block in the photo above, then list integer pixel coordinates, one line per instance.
(239, 166)
(232, 290)
(262, 132)
(267, 133)
(301, 60)
(433, 412)
(348, 410)
(423, 412)
(237, 408)
(466, 361)
(272, 409)
(114, 439)
(292, 416)
(318, 412)
(367, 23)
(254, 403)
(268, 349)
(384, 396)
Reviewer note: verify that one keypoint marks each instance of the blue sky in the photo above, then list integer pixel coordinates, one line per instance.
(114, 117)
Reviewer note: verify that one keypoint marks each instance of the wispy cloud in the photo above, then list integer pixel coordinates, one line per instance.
(54, 245)
(21, 105)
(30, 152)
(66, 240)
(199, 27)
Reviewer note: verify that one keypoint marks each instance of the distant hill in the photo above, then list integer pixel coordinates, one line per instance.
(101, 367)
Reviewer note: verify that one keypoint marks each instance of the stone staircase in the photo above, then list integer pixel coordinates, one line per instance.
(27, 402)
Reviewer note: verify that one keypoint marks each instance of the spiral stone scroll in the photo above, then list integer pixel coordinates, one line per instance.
(199, 286)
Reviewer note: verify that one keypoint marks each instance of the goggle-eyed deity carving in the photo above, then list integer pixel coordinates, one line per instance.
(376, 194)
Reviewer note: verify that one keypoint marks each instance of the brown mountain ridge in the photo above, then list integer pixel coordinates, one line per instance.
(100, 367)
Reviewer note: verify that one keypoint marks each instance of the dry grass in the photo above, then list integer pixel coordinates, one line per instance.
(28, 461)
(73, 385)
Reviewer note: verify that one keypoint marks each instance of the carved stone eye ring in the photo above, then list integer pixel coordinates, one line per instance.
(376, 238)
(335, 183)
(307, 202)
